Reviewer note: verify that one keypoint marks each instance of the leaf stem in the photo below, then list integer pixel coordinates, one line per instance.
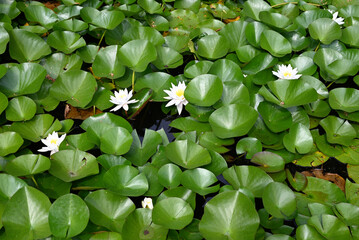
(133, 80)
(285, 3)
(103, 34)
(86, 188)
(330, 84)
(316, 49)
(33, 179)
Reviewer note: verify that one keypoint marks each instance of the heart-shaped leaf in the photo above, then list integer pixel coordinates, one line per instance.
(169, 175)
(199, 180)
(338, 130)
(204, 90)
(75, 86)
(275, 117)
(173, 213)
(19, 219)
(298, 139)
(20, 109)
(137, 54)
(275, 43)
(233, 120)
(345, 99)
(109, 209)
(126, 180)
(140, 153)
(187, 154)
(229, 214)
(26, 46)
(10, 142)
(325, 30)
(65, 41)
(249, 146)
(68, 216)
(25, 78)
(4, 39)
(108, 19)
(248, 177)
(70, 165)
(27, 164)
(41, 14)
(115, 140)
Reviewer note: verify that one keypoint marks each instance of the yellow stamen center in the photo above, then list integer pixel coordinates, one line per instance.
(121, 96)
(180, 92)
(53, 141)
(287, 74)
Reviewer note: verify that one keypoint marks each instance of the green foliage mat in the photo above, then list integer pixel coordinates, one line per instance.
(254, 91)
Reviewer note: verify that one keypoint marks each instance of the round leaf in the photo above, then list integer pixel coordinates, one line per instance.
(199, 180)
(233, 120)
(169, 175)
(249, 146)
(270, 162)
(68, 216)
(105, 19)
(10, 142)
(126, 180)
(345, 99)
(275, 43)
(137, 54)
(20, 109)
(276, 118)
(279, 200)
(298, 139)
(27, 164)
(109, 209)
(26, 46)
(231, 215)
(115, 140)
(65, 41)
(212, 46)
(173, 213)
(204, 90)
(19, 218)
(325, 30)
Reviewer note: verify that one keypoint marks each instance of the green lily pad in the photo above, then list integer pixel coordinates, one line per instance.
(65, 41)
(199, 180)
(115, 140)
(248, 177)
(226, 70)
(325, 30)
(137, 54)
(26, 46)
(144, 33)
(28, 164)
(71, 165)
(4, 39)
(323, 191)
(204, 90)
(210, 141)
(173, 213)
(268, 161)
(279, 200)
(25, 78)
(108, 209)
(234, 32)
(167, 58)
(212, 46)
(37, 128)
(289, 93)
(68, 216)
(298, 139)
(169, 175)
(187, 154)
(276, 20)
(275, 43)
(88, 53)
(194, 69)
(139, 226)
(330, 226)
(20, 221)
(41, 14)
(252, 8)
(249, 146)
(233, 120)
(345, 99)
(276, 118)
(20, 109)
(306, 232)
(229, 214)
(104, 19)
(338, 130)
(74, 86)
(57, 63)
(259, 63)
(126, 180)
(10, 143)
(72, 24)
(140, 153)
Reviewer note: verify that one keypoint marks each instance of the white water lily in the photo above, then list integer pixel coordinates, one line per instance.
(122, 99)
(335, 18)
(147, 203)
(287, 72)
(52, 143)
(176, 95)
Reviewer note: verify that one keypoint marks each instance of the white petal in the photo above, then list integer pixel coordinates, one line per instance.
(125, 106)
(170, 103)
(179, 108)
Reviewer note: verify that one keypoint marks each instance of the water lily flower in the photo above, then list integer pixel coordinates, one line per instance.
(147, 203)
(335, 18)
(287, 72)
(122, 99)
(176, 95)
(52, 143)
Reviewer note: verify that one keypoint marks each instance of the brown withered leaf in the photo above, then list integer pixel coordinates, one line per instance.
(229, 20)
(52, 4)
(77, 113)
(333, 177)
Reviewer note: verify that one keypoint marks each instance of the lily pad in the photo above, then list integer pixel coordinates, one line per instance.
(104, 19)
(20, 109)
(28, 164)
(10, 142)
